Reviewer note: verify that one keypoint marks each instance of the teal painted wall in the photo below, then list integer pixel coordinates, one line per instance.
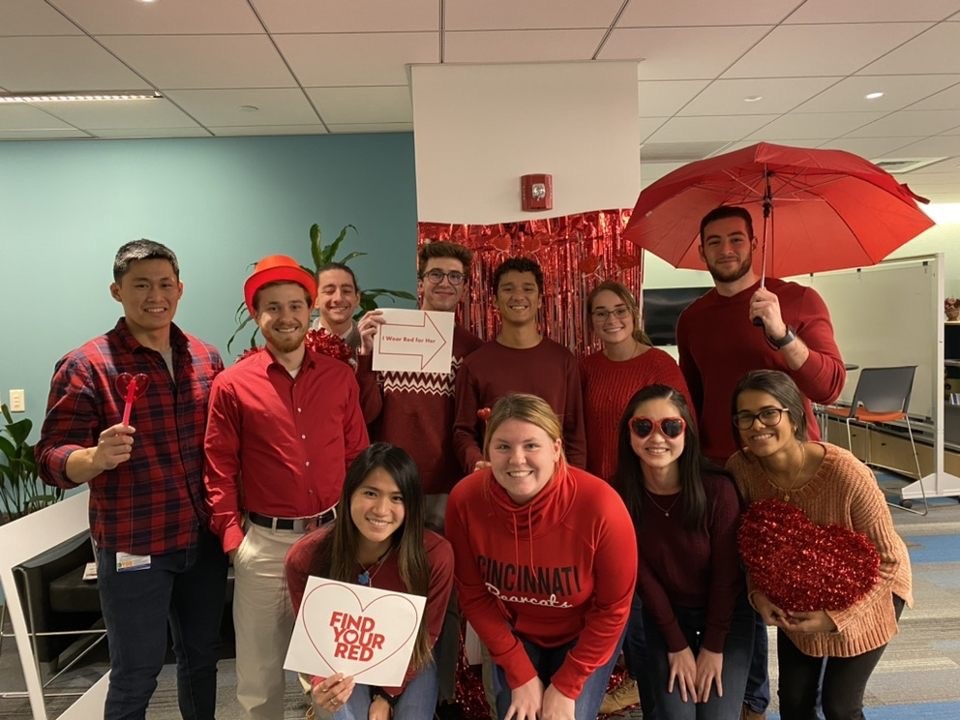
(219, 203)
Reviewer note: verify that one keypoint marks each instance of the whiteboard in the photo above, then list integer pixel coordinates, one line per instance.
(887, 315)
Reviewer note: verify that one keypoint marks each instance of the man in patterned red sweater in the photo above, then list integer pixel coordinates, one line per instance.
(415, 411)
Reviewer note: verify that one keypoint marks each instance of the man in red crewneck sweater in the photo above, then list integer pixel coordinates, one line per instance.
(520, 360)
(718, 344)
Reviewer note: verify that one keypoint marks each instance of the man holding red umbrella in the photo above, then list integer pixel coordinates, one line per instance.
(742, 325)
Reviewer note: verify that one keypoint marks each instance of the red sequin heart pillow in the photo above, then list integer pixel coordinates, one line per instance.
(802, 566)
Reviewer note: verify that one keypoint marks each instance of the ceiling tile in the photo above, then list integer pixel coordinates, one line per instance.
(499, 46)
(203, 61)
(681, 53)
(907, 123)
(140, 114)
(347, 105)
(372, 128)
(270, 130)
(649, 125)
(643, 13)
(898, 91)
(727, 97)
(275, 106)
(791, 50)
(948, 145)
(932, 52)
(33, 17)
(678, 151)
(334, 16)
(650, 172)
(831, 11)
(27, 117)
(50, 64)
(662, 98)
(870, 148)
(529, 14)
(168, 17)
(167, 132)
(357, 59)
(51, 134)
(709, 129)
(811, 126)
(947, 99)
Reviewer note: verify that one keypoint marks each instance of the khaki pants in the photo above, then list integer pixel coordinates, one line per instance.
(263, 620)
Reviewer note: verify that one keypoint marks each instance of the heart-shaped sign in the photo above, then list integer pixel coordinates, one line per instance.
(356, 637)
(589, 264)
(484, 413)
(802, 566)
(501, 242)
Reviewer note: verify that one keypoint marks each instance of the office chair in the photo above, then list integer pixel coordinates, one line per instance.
(882, 396)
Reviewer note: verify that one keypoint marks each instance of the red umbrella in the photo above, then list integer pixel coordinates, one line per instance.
(833, 209)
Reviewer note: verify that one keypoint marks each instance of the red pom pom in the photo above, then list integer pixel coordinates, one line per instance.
(320, 341)
(801, 566)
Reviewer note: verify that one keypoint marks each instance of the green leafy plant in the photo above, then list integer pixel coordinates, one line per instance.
(21, 491)
(322, 255)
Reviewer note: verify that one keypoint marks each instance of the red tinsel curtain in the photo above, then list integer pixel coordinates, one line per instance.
(576, 253)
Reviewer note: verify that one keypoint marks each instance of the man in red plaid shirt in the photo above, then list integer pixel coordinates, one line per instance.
(156, 560)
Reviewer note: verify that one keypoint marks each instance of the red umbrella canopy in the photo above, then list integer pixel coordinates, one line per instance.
(830, 209)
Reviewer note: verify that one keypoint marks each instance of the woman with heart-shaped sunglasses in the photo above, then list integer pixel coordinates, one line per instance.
(844, 505)
(378, 539)
(697, 622)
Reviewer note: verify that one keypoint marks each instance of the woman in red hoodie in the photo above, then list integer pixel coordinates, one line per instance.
(545, 566)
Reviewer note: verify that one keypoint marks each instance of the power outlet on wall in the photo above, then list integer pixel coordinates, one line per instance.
(18, 402)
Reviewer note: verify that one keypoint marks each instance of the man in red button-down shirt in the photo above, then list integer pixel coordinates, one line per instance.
(156, 559)
(284, 424)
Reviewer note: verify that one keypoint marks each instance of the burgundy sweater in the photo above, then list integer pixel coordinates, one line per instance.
(719, 345)
(493, 370)
(681, 568)
(415, 411)
(608, 386)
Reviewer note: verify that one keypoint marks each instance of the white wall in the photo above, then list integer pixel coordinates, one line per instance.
(478, 128)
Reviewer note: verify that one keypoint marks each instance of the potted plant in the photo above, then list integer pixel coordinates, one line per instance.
(322, 255)
(21, 491)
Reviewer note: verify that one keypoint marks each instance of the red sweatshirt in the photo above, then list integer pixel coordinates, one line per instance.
(719, 344)
(608, 386)
(415, 412)
(560, 568)
(493, 370)
(303, 560)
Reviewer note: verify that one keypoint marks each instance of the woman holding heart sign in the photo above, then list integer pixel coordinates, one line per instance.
(697, 622)
(843, 574)
(545, 566)
(378, 539)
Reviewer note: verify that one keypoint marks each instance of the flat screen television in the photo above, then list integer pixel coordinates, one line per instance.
(662, 307)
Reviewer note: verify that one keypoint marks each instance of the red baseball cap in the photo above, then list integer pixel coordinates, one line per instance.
(278, 268)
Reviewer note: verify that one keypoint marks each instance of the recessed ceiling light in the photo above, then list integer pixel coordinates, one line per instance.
(753, 98)
(873, 95)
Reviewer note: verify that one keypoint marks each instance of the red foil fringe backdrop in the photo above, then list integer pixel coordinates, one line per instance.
(576, 253)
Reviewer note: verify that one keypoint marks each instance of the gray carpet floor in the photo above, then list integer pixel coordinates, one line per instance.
(918, 677)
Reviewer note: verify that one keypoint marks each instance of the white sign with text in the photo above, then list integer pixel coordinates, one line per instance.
(414, 341)
(356, 630)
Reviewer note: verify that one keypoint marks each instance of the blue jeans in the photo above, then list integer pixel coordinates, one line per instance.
(737, 650)
(419, 699)
(547, 661)
(635, 654)
(186, 589)
(757, 695)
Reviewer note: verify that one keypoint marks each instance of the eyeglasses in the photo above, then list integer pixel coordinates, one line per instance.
(671, 427)
(436, 277)
(769, 417)
(617, 312)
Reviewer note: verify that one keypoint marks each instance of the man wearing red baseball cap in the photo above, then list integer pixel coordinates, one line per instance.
(284, 424)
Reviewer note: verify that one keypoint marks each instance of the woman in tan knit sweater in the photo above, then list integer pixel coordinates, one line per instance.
(832, 487)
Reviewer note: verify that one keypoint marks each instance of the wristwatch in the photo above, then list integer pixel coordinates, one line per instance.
(378, 692)
(784, 341)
